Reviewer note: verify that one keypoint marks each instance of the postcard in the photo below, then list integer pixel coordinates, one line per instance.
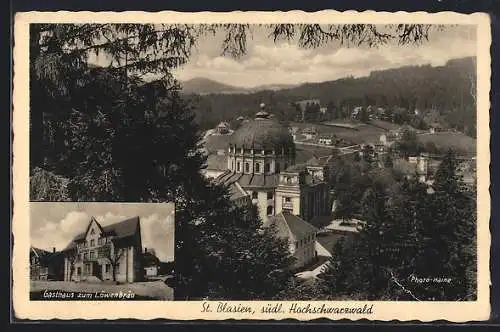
(251, 165)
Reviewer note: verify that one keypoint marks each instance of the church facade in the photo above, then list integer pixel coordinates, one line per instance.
(261, 168)
(261, 160)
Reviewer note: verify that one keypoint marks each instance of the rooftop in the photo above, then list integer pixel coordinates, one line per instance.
(249, 180)
(122, 229)
(292, 227)
(263, 133)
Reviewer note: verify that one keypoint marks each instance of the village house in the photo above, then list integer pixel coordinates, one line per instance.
(327, 139)
(310, 132)
(261, 165)
(111, 252)
(151, 263)
(46, 265)
(435, 127)
(301, 237)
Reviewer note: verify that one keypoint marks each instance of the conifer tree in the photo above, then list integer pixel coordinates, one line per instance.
(223, 252)
(449, 235)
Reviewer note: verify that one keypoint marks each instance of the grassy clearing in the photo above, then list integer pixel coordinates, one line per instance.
(455, 140)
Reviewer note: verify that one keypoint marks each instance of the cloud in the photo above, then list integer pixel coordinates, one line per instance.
(286, 62)
(157, 227)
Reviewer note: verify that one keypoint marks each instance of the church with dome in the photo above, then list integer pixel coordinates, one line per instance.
(260, 167)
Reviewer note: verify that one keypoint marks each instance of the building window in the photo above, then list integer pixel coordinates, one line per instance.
(86, 255)
(92, 242)
(107, 268)
(286, 165)
(247, 167)
(254, 195)
(270, 195)
(267, 167)
(232, 165)
(92, 254)
(288, 199)
(78, 271)
(269, 210)
(238, 166)
(79, 257)
(257, 168)
(92, 232)
(277, 168)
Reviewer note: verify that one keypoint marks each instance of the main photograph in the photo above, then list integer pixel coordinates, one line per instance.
(306, 161)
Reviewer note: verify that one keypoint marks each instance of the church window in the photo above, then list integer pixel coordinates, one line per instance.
(247, 167)
(269, 210)
(238, 166)
(254, 195)
(257, 168)
(270, 195)
(267, 168)
(277, 167)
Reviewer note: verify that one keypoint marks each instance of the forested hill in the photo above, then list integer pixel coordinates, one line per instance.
(447, 90)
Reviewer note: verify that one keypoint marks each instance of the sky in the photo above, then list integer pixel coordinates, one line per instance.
(56, 224)
(267, 62)
(284, 62)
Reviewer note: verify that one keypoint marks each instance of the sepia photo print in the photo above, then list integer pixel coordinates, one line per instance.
(101, 251)
(321, 165)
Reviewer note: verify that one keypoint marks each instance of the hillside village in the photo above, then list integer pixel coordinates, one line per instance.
(376, 141)
(317, 181)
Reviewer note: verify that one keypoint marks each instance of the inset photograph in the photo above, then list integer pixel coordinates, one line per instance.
(101, 251)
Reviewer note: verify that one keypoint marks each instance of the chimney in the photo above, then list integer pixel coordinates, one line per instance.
(53, 249)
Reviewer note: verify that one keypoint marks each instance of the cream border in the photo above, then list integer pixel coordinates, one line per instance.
(384, 311)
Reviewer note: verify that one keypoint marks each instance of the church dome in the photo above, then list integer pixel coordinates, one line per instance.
(263, 133)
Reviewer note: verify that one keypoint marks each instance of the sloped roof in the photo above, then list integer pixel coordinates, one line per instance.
(39, 252)
(292, 227)
(236, 191)
(297, 168)
(149, 259)
(122, 229)
(263, 134)
(249, 180)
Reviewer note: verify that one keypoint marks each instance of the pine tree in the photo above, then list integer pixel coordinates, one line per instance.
(222, 252)
(450, 235)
